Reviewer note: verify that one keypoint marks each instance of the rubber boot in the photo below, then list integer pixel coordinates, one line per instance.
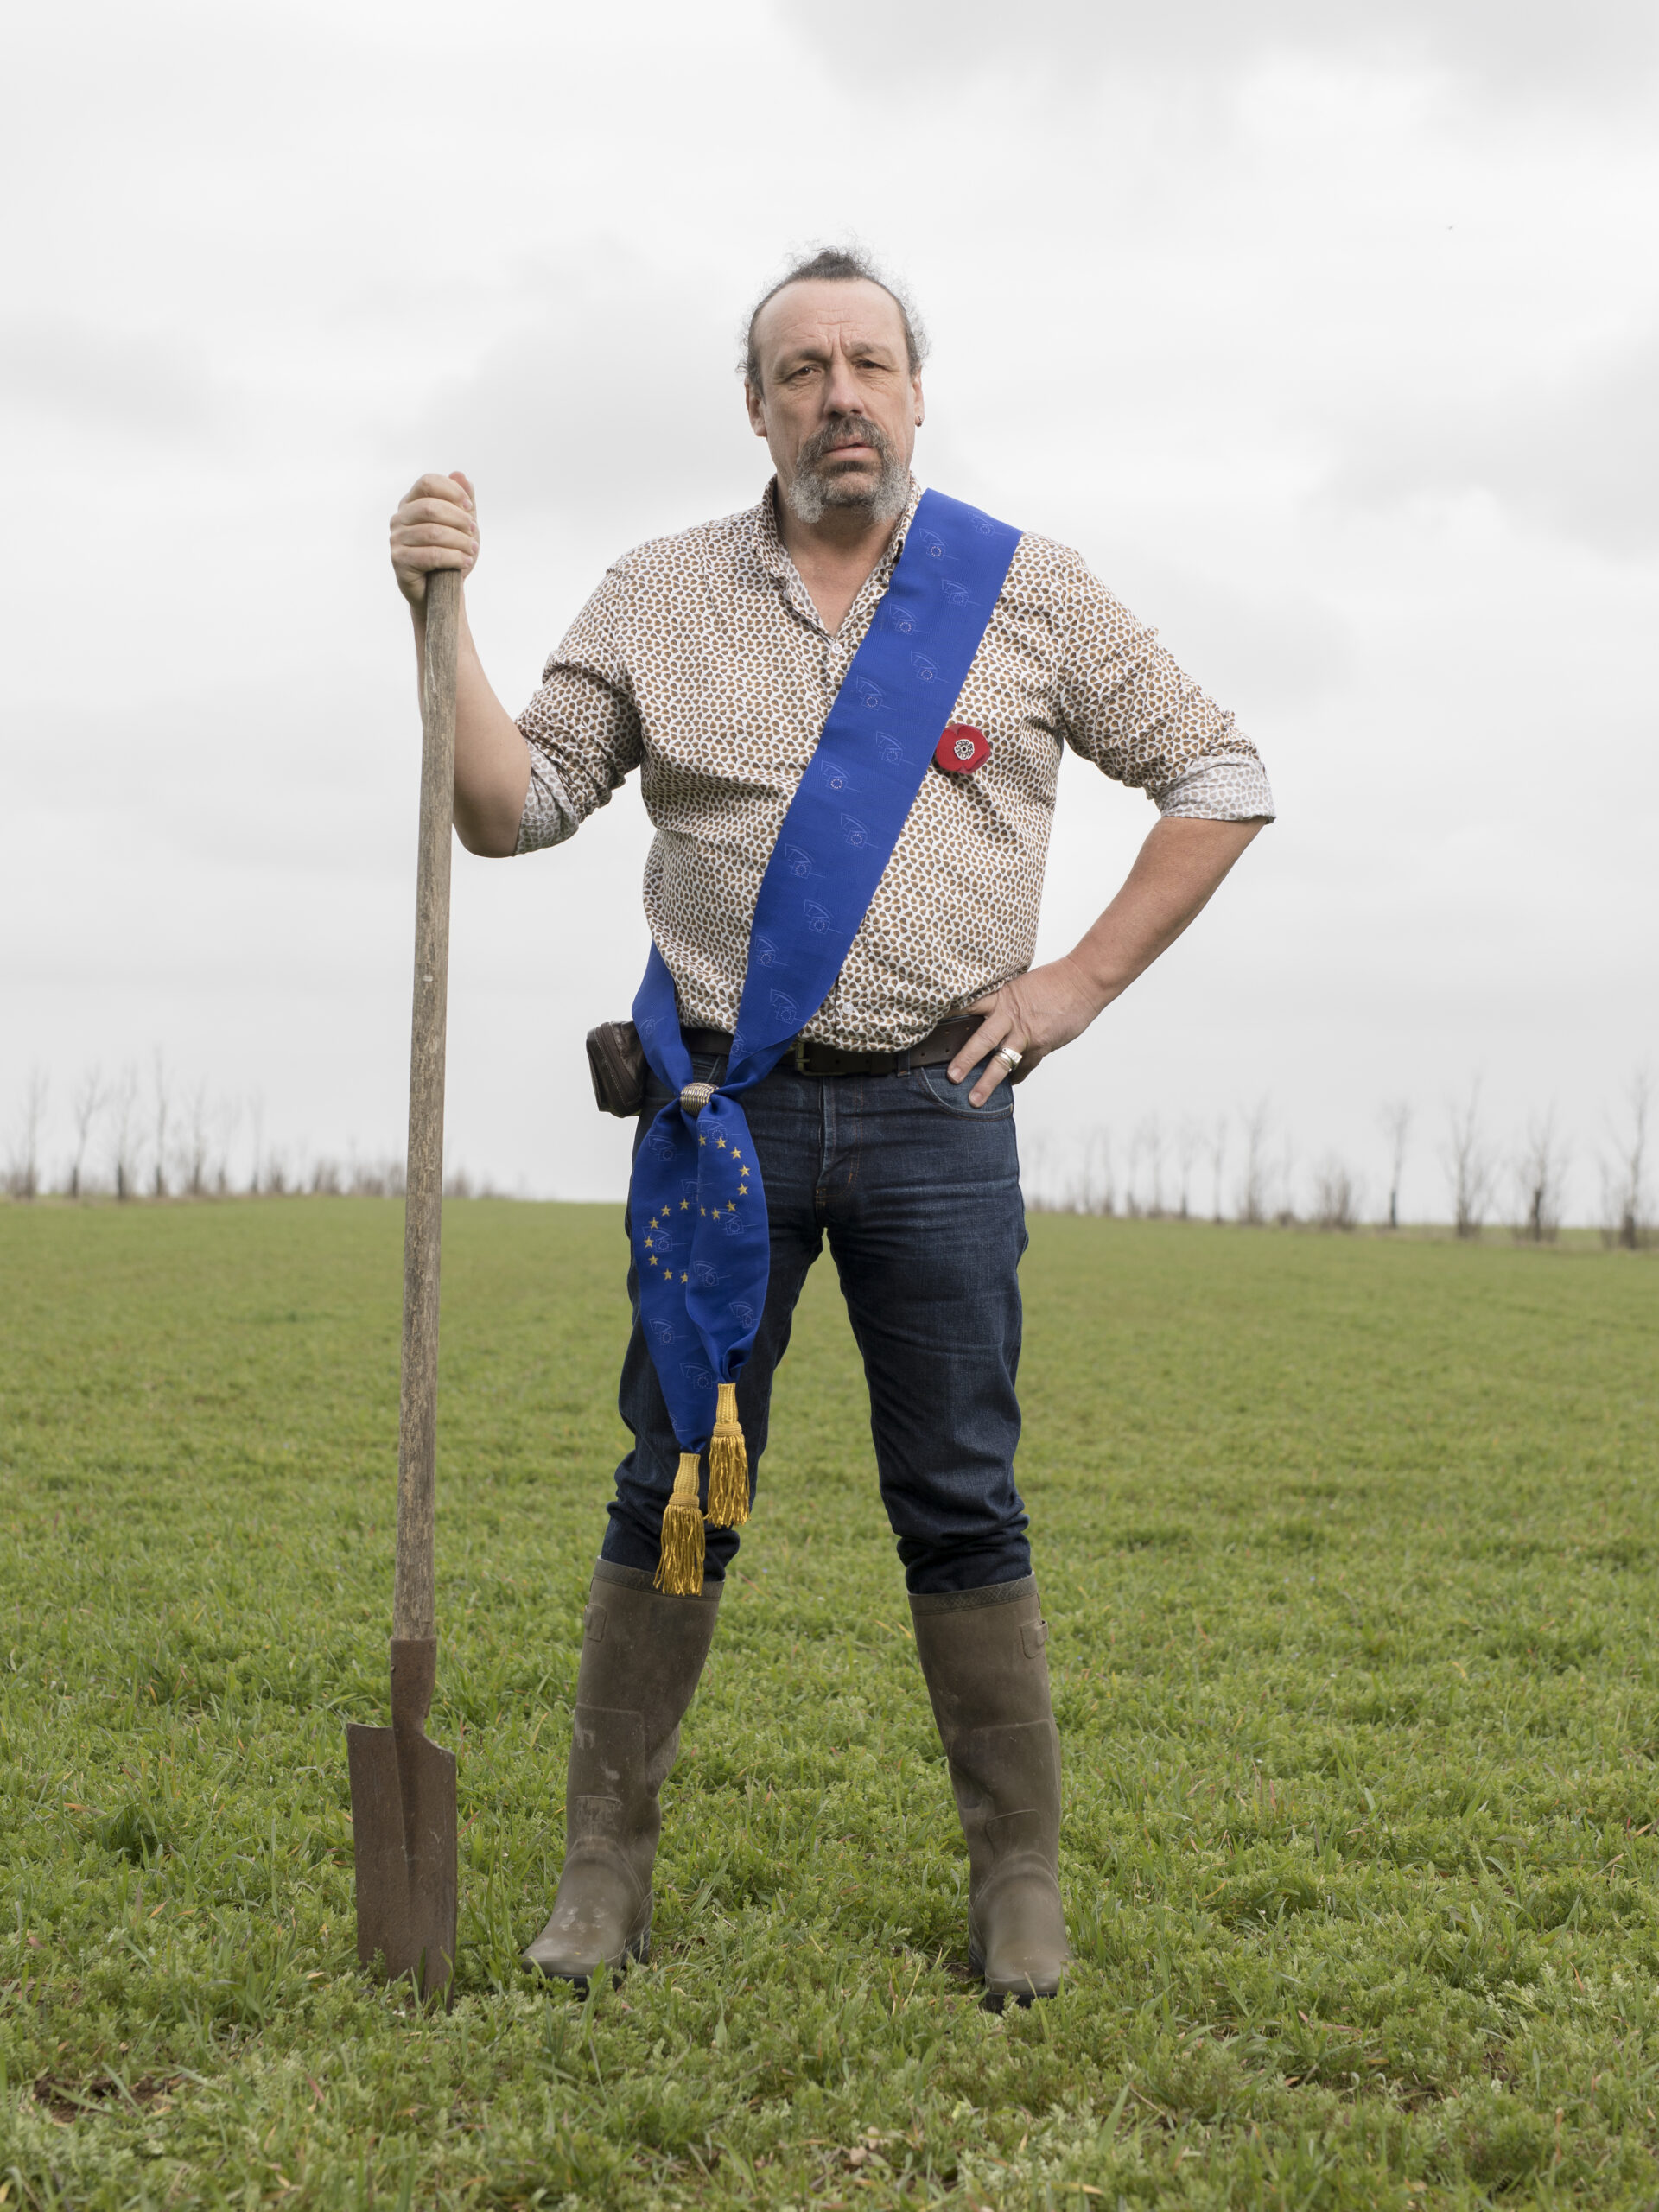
(981, 1652)
(641, 1655)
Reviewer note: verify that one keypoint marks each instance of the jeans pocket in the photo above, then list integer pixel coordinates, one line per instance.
(953, 1096)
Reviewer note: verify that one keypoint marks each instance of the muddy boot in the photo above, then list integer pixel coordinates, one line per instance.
(981, 1652)
(641, 1655)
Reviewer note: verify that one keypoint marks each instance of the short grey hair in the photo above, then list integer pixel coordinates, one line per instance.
(835, 264)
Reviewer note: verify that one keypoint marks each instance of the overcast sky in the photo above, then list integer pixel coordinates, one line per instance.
(1332, 343)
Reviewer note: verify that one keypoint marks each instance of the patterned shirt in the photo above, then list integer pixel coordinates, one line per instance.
(701, 661)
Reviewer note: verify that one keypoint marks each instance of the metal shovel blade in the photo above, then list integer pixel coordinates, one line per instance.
(403, 1825)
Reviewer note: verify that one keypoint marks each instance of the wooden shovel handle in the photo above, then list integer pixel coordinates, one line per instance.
(414, 1606)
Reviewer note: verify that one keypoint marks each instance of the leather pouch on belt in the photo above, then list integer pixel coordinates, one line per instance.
(616, 1060)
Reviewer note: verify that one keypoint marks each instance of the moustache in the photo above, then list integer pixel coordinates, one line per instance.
(849, 430)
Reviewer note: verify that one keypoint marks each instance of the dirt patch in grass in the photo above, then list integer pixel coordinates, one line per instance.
(66, 2101)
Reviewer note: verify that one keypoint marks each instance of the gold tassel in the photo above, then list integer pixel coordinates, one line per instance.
(679, 1567)
(729, 1465)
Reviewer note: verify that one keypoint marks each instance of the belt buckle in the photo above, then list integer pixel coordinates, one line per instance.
(797, 1054)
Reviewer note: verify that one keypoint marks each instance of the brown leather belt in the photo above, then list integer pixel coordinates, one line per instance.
(808, 1057)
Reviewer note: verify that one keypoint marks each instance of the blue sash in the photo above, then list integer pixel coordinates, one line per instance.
(697, 1209)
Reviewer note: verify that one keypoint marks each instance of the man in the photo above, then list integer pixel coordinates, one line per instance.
(754, 670)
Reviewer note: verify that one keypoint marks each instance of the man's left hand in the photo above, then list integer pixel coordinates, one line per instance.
(1037, 1012)
(1174, 873)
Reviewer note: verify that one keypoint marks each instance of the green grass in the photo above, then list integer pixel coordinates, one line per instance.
(1350, 1554)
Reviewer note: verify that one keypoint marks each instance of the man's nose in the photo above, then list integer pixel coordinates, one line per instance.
(842, 395)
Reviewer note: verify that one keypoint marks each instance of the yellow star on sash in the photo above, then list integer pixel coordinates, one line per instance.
(743, 1190)
(736, 1154)
(683, 1275)
(721, 1142)
(730, 1208)
(702, 1140)
(685, 1206)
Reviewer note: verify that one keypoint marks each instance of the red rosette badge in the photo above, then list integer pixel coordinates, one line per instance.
(961, 749)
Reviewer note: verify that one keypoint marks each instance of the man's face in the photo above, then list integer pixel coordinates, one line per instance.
(837, 404)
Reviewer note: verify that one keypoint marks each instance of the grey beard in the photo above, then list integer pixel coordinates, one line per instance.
(812, 496)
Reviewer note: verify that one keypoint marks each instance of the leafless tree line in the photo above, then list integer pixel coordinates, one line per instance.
(131, 1134)
(1245, 1167)
(1626, 1204)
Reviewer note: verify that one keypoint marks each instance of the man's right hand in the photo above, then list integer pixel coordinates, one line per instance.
(436, 527)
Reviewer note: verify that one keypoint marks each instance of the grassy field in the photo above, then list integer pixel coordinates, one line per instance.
(1350, 1554)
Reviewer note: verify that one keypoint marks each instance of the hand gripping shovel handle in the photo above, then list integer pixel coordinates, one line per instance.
(403, 1785)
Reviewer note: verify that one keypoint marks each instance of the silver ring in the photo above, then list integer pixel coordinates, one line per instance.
(1007, 1055)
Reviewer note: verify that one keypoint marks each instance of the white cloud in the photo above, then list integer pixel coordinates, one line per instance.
(1543, 48)
(1319, 328)
(1579, 456)
(124, 381)
(612, 400)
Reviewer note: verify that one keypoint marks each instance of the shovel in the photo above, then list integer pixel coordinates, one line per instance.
(402, 1784)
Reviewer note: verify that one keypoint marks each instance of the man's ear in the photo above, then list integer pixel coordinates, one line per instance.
(757, 407)
(916, 393)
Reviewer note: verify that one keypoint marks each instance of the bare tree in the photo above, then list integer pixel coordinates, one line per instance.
(161, 1102)
(1284, 1212)
(1099, 1179)
(23, 1168)
(1132, 1204)
(1625, 1175)
(89, 1099)
(1336, 1194)
(1397, 1118)
(1145, 1187)
(192, 1151)
(227, 1119)
(124, 1141)
(1091, 1188)
(1541, 1179)
(1253, 1190)
(1033, 1176)
(1468, 1161)
(257, 1171)
(1218, 1163)
(1189, 1142)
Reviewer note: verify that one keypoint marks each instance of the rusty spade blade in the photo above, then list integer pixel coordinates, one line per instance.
(403, 1785)
(404, 1827)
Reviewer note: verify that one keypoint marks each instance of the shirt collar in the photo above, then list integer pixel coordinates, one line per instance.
(774, 559)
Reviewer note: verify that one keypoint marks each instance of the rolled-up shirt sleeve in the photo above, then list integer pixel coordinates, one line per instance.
(1127, 706)
(582, 726)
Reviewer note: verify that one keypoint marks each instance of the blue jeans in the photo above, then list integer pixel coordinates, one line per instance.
(918, 1194)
